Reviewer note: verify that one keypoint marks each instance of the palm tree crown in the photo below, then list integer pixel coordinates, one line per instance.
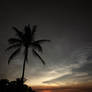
(26, 39)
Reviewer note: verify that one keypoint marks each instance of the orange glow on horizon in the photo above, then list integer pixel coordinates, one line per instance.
(58, 86)
(46, 91)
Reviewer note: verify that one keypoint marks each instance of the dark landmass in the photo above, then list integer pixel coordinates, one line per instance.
(14, 86)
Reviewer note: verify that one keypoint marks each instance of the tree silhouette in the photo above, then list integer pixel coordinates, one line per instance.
(14, 86)
(4, 83)
(25, 39)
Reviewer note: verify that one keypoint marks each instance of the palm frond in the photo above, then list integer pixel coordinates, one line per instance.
(28, 33)
(13, 47)
(14, 54)
(33, 32)
(27, 28)
(41, 41)
(14, 40)
(36, 54)
(19, 33)
(37, 47)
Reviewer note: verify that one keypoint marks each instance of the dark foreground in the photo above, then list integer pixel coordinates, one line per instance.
(14, 86)
(18, 86)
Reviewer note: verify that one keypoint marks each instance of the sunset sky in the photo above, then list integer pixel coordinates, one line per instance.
(68, 57)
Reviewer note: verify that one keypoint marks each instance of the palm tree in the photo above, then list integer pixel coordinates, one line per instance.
(25, 39)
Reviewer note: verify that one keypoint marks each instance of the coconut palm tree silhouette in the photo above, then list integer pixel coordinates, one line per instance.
(25, 39)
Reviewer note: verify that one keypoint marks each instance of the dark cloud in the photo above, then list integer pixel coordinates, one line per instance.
(87, 67)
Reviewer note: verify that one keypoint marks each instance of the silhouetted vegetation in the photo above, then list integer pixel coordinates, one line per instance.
(25, 39)
(14, 86)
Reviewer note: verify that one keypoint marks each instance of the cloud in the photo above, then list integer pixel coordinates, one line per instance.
(79, 67)
(73, 69)
(87, 67)
(47, 76)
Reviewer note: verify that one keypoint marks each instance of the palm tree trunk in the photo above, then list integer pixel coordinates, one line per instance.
(22, 79)
(25, 59)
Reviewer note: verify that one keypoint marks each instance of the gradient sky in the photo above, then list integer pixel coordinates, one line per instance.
(68, 24)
